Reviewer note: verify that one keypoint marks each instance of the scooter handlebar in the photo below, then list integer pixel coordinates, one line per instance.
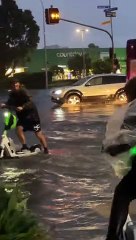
(3, 105)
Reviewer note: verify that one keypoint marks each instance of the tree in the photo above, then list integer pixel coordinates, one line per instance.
(57, 72)
(92, 45)
(55, 69)
(102, 66)
(75, 64)
(18, 36)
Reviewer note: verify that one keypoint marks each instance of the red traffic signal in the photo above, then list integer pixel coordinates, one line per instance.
(52, 15)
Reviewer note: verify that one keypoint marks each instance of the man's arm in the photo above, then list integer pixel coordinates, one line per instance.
(9, 103)
(28, 104)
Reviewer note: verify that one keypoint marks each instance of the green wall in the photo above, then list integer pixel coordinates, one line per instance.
(121, 55)
(61, 56)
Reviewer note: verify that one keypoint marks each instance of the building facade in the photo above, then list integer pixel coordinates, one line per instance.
(59, 57)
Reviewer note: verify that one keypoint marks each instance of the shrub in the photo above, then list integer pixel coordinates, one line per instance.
(16, 221)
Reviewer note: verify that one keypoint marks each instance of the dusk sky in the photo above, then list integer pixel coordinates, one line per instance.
(85, 11)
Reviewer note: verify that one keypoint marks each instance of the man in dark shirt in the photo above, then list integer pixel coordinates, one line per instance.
(26, 111)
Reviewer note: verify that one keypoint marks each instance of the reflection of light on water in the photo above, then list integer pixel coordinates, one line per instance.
(57, 138)
(59, 114)
(89, 107)
(82, 228)
(74, 134)
(72, 108)
(75, 201)
(14, 173)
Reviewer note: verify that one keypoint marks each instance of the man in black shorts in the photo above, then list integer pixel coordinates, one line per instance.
(26, 111)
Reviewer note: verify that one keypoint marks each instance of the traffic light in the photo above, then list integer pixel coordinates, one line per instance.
(52, 15)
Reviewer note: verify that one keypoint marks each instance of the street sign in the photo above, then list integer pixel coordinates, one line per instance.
(110, 14)
(102, 7)
(106, 22)
(111, 9)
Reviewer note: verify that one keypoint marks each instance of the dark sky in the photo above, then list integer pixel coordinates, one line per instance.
(85, 11)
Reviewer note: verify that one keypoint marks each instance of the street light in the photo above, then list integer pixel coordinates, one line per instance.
(82, 31)
(45, 49)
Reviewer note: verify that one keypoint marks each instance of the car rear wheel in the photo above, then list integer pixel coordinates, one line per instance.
(121, 96)
(73, 99)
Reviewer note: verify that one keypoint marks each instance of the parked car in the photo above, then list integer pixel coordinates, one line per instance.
(92, 88)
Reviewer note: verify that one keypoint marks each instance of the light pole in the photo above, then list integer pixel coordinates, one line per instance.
(82, 31)
(112, 36)
(45, 49)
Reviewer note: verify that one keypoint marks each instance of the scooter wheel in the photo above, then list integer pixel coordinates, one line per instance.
(35, 148)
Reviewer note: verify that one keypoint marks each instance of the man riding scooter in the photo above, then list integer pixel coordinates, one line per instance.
(27, 114)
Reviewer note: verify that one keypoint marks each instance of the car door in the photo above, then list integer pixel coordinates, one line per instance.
(104, 87)
(93, 88)
(111, 83)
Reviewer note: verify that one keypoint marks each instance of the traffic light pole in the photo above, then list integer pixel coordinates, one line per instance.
(45, 49)
(111, 24)
(100, 29)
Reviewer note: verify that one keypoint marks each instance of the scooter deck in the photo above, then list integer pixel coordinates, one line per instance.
(25, 154)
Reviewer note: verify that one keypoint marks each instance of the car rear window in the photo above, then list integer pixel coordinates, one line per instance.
(113, 79)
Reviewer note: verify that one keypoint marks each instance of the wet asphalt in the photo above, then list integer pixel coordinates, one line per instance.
(72, 187)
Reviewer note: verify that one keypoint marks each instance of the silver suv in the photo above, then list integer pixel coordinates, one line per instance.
(92, 88)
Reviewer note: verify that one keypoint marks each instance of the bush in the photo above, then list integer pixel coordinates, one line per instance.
(16, 221)
(102, 66)
(34, 80)
(30, 80)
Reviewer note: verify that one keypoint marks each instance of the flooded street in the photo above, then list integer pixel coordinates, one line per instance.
(71, 188)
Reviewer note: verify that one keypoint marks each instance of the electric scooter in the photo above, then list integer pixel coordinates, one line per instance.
(7, 145)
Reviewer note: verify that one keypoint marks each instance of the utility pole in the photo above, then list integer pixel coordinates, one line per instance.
(83, 53)
(82, 31)
(89, 26)
(112, 34)
(45, 48)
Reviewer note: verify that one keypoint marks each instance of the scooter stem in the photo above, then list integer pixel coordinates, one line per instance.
(5, 133)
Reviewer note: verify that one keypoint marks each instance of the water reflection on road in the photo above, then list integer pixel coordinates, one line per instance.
(71, 188)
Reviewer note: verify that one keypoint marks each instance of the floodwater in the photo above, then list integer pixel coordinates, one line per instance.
(71, 188)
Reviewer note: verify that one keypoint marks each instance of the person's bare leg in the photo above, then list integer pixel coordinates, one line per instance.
(42, 138)
(21, 135)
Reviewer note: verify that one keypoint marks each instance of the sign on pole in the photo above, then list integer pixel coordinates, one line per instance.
(111, 9)
(106, 22)
(110, 14)
(103, 7)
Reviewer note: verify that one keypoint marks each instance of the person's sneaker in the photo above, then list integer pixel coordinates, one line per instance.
(46, 150)
(24, 149)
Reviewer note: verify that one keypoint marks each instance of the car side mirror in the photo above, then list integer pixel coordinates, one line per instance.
(88, 84)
